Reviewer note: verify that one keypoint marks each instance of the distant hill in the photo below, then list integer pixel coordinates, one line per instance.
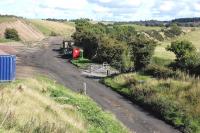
(187, 22)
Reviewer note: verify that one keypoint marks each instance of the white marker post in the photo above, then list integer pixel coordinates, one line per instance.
(84, 88)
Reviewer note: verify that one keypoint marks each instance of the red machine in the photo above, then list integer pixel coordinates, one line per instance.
(76, 53)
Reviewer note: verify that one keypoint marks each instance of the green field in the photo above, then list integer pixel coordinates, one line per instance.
(144, 28)
(25, 105)
(46, 27)
(192, 36)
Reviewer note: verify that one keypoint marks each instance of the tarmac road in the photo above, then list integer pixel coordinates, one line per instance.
(131, 115)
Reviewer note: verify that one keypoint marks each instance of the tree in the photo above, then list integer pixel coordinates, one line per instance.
(172, 31)
(187, 57)
(12, 34)
(175, 29)
(142, 51)
(181, 48)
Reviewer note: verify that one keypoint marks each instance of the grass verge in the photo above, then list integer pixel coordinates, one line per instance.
(41, 105)
(175, 101)
(81, 63)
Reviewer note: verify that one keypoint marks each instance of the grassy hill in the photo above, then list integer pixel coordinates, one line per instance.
(27, 32)
(35, 30)
(143, 28)
(190, 35)
(46, 27)
(41, 105)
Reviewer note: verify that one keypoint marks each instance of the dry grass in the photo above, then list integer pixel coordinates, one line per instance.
(25, 109)
(64, 29)
(40, 105)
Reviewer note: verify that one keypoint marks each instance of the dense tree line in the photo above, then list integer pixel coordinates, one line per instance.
(186, 20)
(121, 46)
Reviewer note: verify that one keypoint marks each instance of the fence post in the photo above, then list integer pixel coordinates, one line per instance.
(84, 88)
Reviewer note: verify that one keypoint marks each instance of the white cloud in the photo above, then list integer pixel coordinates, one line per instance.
(102, 9)
(130, 2)
(68, 4)
(167, 5)
(197, 6)
(105, 1)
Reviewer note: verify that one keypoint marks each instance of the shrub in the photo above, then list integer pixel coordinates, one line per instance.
(11, 34)
(115, 53)
(174, 30)
(142, 51)
(161, 72)
(181, 48)
(187, 57)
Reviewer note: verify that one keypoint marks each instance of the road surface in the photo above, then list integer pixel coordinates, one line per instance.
(132, 116)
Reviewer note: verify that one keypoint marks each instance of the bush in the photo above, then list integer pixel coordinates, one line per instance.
(161, 72)
(11, 34)
(173, 31)
(187, 57)
(181, 48)
(142, 51)
(115, 53)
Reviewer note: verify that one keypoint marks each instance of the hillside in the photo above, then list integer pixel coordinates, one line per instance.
(25, 104)
(35, 30)
(191, 34)
(46, 27)
(27, 32)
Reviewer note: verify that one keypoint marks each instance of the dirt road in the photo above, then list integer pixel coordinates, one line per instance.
(130, 114)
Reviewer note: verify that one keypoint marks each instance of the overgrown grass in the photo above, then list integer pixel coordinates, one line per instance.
(43, 106)
(81, 63)
(175, 101)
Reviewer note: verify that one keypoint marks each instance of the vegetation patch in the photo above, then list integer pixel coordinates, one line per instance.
(51, 28)
(175, 101)
(82, 63)
(12, 34)
(25, 104)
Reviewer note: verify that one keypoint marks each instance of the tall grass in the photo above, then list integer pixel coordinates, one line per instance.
(177, 101)
(39, 105)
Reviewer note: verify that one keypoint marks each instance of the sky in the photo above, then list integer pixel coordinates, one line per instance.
(109, 10)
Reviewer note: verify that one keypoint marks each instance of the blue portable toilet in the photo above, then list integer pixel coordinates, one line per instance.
(7, 68)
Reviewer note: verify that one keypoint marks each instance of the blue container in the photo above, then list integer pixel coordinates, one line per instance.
(7, 68)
